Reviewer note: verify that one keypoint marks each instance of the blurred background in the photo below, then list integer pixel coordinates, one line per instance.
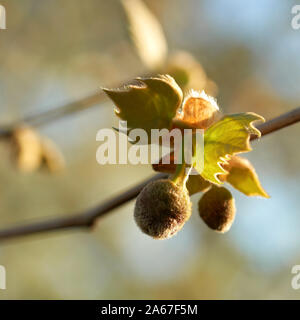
(244, 53)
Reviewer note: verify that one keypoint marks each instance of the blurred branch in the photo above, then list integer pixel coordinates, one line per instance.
(58, 112)
(47, 116)
(88, 218)
(148, 37)
(279, 122)
(67, 109)
(84, 219)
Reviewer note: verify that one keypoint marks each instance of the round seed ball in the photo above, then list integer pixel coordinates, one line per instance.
(162, 208)
(217, 209)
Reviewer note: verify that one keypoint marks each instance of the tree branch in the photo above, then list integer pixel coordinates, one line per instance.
(87, 218)
(84, 219)
(56, 113)
(279, 122)
(52, 114)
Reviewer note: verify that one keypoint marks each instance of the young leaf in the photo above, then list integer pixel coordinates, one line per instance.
(227, 137)
(150, 104)
(242, 176)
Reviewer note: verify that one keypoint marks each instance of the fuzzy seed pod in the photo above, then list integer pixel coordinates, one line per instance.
(217, 209)
(162, 208)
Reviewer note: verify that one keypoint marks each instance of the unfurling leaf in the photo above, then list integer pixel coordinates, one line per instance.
(146, 33)
(150, 104)
(242, 176)
(198, 110)
(225, 138)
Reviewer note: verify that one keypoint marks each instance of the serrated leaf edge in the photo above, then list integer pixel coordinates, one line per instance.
(253, 130)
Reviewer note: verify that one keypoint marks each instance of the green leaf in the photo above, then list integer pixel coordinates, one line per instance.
(242, 176)
(149, 104)
(227, 137)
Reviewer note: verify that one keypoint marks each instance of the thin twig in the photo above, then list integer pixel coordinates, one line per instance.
(279, 122)
(47, 116)
(64, 110)
(84, 219)
(88, 218)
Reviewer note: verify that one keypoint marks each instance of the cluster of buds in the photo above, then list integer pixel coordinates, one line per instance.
(163, 206)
